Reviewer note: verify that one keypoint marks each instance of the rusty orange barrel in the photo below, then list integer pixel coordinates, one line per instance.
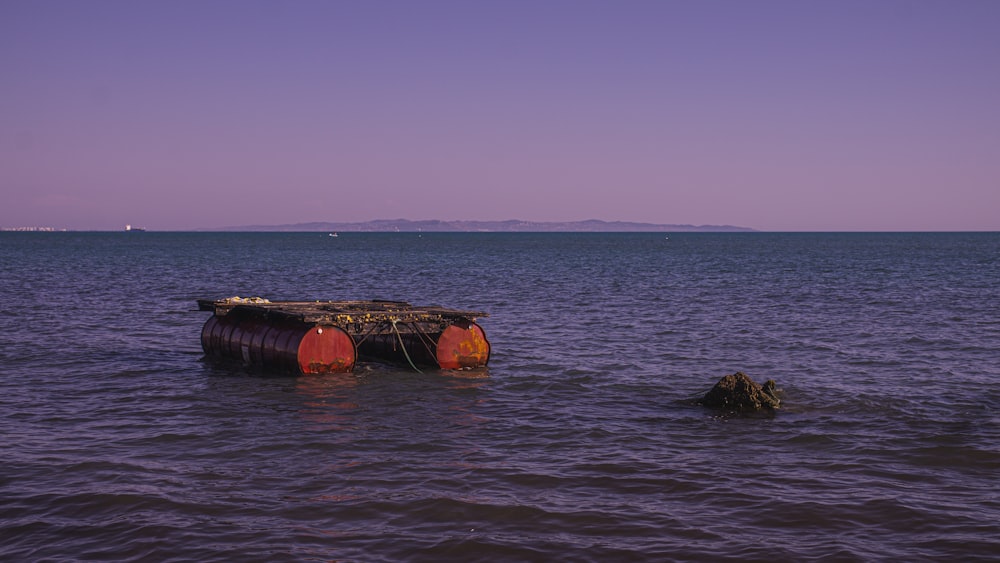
(277, 344)
(460, 345)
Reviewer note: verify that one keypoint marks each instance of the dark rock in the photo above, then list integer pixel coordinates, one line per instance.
(738, 393)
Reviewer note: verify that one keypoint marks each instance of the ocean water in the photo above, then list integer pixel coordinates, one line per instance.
(579, 442)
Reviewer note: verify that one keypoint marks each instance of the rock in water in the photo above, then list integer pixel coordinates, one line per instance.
(739, 393)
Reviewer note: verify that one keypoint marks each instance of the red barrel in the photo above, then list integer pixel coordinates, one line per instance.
(282, 345)
(463, 347)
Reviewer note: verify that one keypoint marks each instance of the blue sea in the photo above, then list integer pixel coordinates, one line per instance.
(581, 441)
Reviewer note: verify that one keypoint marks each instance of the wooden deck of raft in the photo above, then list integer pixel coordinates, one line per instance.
(342, 313)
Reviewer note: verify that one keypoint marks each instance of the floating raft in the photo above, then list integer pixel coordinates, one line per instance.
(329, 336)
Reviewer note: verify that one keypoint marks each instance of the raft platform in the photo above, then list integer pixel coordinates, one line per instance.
(313, 337)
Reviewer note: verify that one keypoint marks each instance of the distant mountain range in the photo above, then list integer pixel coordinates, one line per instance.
(510, 226)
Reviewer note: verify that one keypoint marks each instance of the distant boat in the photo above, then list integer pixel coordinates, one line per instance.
(334, 235)
(130, 228)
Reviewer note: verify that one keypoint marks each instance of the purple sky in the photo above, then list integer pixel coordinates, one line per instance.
(798, 115)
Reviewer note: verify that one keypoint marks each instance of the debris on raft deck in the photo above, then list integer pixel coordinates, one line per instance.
(329, 336)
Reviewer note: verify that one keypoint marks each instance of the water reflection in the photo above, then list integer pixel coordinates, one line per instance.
(328, 400)
(379, 397)
(465, 378)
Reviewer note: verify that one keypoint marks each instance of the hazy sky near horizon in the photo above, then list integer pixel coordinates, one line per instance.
(775, 115)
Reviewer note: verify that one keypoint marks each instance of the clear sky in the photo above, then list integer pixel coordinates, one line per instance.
(776, 115)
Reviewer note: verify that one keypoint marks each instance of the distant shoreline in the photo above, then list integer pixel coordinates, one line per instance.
(510, 226)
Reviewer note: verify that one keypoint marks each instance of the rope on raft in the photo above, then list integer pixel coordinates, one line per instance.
(403, 346)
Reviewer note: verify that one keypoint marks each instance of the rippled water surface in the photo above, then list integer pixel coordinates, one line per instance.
(579, 442)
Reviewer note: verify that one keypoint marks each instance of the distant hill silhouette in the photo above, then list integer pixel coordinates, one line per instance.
(510, 226)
